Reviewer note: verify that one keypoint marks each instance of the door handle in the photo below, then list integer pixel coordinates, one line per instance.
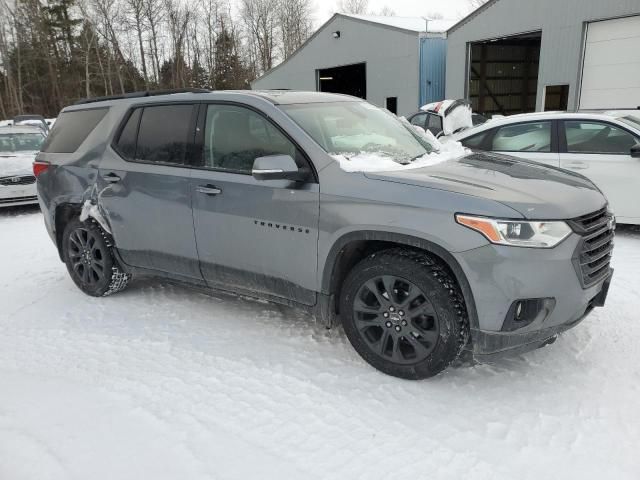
(577, 165)
(208, 190)
(111, 178)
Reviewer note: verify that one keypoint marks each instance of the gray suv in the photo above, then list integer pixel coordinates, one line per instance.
(327, 203)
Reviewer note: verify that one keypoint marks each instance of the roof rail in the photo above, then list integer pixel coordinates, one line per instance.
(145, 93)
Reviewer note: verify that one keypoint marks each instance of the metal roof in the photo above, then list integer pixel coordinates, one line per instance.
(413, 24)
(471, 16)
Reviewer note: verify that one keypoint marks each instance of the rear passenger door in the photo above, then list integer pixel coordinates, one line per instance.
(144, 182)
(256, 235)
(601, 151)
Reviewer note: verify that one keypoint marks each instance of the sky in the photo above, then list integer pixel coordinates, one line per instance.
(451, 9)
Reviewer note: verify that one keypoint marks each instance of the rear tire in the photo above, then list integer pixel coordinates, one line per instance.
(404, 313)
(88, 255)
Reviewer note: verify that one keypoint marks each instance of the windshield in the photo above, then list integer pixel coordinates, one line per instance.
(631, 121)
(20, 142)
(352, 129)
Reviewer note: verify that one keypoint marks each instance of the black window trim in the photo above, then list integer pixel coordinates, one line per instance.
(562, 135)
(200, 130)
(190, 133)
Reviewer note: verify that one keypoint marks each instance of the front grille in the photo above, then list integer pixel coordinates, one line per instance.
(19, 199)
(18, 180)
(593, 256)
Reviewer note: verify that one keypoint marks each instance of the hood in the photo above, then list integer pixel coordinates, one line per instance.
(18, 163)
(537, 191)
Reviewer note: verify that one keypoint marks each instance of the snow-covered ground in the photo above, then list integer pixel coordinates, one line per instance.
(160, 382)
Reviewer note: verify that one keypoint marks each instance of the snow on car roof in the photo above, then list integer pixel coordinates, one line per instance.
(415, 24)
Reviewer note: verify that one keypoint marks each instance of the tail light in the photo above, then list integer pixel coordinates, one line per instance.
(39, 167)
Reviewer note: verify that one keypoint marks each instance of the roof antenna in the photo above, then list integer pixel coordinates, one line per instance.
(426, 24)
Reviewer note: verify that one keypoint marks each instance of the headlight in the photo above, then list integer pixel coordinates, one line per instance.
(517, 233)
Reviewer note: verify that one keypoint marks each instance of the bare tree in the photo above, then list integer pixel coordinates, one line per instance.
(154, 15)
(295, 24)
(261, 20)
(136, 10)
(387, 12)
(435, 16)
(178, 17)
(476, 3)
(358, 7)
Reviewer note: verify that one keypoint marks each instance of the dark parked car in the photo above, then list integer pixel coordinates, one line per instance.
(248, 192)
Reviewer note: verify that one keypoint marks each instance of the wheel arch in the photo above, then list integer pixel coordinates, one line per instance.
(354, 246)
(64, 212)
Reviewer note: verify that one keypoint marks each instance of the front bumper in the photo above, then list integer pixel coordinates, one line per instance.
(501, 275)
(18, 195)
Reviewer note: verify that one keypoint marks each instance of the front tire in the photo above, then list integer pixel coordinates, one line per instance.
(404, 313)
(88, 255)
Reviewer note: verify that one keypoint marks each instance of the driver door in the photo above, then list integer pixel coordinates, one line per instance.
(255, 235)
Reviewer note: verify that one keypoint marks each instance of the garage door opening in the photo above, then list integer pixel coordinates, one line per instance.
(348, 79)
(503, 74)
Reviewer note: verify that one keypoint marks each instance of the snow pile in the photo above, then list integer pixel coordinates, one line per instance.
(458, 119)
(16, 163)
(164, 383)
(383, 162)
(92, 208)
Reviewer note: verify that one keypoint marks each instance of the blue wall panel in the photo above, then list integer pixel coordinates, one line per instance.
(433, 60)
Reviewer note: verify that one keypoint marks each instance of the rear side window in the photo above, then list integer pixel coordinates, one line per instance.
(71, 129)
(163, 135)
(595, 137)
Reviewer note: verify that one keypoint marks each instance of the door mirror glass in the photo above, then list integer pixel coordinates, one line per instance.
(635, 151)
(277, 167)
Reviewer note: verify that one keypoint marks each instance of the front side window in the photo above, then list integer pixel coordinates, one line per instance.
(163, 135)
(358, 129)
(523, 137)
(20, 142)
(596, 137)
(235, 136)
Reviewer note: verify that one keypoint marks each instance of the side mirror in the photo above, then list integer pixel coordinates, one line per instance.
(635, 151)
(277, 167)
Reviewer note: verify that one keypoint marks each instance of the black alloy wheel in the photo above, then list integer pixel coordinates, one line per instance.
(396, 319)
(404, 313)
(86, 252)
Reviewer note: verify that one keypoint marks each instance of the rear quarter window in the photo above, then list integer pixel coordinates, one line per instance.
(71, 129)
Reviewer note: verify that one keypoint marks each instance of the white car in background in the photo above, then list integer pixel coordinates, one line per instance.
(18, 148)
(604, 147)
